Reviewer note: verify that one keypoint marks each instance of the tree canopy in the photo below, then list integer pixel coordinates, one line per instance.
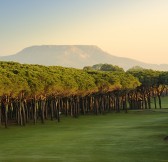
(37, 79)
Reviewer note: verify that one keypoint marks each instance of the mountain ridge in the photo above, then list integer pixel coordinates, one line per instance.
(76, 56)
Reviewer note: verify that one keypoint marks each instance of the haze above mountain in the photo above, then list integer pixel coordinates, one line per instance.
(76, 56)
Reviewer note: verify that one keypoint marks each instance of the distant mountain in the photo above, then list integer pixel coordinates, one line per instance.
(76, 56)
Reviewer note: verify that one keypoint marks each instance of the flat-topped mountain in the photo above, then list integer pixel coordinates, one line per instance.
(76, 56)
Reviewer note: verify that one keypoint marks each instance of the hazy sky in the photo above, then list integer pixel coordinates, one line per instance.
(129, 28)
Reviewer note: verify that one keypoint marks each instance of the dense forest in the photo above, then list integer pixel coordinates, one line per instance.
(34, 92)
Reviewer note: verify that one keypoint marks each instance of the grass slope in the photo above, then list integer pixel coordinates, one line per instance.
(133, 137)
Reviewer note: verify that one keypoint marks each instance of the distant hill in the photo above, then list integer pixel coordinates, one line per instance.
(76, 56)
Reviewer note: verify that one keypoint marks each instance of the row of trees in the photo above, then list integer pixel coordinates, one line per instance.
(35, 92)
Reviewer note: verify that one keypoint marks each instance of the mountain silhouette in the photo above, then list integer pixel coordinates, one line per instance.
(76, 56)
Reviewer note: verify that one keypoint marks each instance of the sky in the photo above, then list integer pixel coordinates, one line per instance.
(135, 29)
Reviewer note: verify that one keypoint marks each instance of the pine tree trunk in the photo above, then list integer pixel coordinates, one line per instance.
(0, 113)
(17, 112)
(145, 101)
(51, 110)
(97, 105)
(42, 105)
(71, 106)
(149, 103)
(46, 109)
(35, 111)
(124, 100)
(117, 104)
(160, 102)
(155, 101)
(23, 112)
(66, 106)
(58, 112)
(6, 115)
(20, 113)
(26, 111)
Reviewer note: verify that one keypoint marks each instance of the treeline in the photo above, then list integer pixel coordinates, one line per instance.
(35, 92)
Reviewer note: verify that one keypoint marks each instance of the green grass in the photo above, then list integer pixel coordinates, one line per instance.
(117, 137)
